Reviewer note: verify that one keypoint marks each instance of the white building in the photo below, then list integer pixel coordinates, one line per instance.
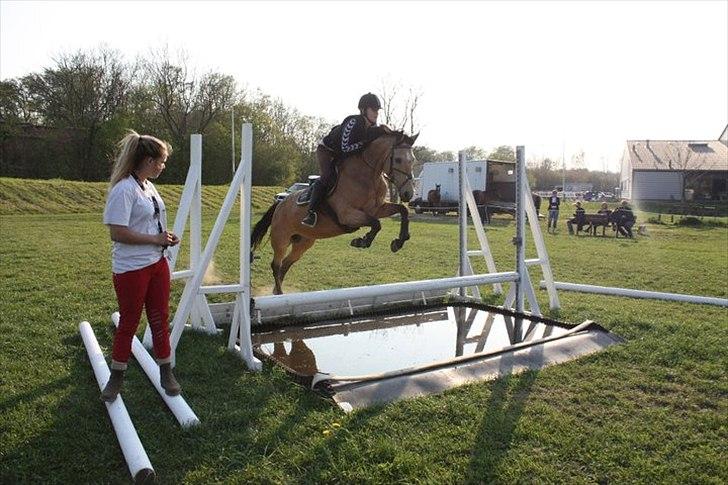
(667, 169)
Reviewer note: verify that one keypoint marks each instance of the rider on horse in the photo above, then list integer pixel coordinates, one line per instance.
(352, 136)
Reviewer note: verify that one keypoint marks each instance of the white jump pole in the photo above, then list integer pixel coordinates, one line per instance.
(241, 181)
(463, 220)
(342, 294)
(177, 404)
(519, 240)
(654, 295)
(136, 458)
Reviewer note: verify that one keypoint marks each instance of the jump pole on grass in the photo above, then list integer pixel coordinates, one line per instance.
(628, 292)
(131, 446)
(177, 404)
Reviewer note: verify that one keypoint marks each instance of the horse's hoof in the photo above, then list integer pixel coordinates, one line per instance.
(359, 242)
(396, 245)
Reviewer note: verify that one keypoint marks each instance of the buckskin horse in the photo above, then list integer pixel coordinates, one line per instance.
(357, 200)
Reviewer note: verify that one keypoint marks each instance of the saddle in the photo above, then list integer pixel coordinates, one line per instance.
(305, 196)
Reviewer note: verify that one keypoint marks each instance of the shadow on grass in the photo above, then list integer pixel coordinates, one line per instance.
(503, 411)
(231, 403)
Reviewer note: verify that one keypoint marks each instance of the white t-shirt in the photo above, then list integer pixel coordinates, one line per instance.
(128, 205)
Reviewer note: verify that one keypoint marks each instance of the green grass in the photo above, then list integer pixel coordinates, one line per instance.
(651, 410)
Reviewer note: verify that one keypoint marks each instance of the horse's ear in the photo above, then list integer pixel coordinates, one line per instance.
(410, 140)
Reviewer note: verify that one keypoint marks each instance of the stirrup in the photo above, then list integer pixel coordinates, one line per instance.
(310, 219)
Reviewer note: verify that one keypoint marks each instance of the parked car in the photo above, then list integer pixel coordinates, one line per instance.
(295, 188)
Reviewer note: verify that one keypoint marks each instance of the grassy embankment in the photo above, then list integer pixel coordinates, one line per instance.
(650, 410)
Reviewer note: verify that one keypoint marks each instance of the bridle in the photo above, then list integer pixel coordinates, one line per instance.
(389, 175)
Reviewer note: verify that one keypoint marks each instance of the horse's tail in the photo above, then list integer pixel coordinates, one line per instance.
(261, 227)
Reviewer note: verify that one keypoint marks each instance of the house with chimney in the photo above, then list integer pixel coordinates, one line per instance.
(673, 169)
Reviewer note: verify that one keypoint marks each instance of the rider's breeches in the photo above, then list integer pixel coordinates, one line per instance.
(325, 158)
(143, 288)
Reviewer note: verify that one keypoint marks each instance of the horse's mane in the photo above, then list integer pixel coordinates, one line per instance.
(400, 137)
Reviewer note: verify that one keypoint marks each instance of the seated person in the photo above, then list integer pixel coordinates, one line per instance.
(350, 137)
(625, 219)
(579, 219)
(604, 209)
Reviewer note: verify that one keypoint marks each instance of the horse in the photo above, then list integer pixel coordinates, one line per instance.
(433, 196)
(357, 200)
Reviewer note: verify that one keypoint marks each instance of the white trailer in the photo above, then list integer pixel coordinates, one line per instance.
(480, 173)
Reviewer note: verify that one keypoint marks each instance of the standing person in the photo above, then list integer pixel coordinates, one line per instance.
(554, 203)
(348, 138)
(137, 220)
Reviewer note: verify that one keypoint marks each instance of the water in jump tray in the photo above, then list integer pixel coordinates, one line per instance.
(395, 342)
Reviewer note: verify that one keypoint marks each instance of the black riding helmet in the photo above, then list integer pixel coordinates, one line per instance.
(369, 100)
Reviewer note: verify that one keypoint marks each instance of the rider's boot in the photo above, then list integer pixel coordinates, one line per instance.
(317, 192)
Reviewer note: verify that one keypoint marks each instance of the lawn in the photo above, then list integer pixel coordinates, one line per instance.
(650, 410)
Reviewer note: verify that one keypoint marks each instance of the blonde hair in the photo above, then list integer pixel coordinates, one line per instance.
(134, 149)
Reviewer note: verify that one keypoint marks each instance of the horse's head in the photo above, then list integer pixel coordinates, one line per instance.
(401, 163)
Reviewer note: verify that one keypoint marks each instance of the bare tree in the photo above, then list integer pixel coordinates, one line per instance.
(186, 102)
(399, 105)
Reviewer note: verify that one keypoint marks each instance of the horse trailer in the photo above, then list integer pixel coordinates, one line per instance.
(438, 184)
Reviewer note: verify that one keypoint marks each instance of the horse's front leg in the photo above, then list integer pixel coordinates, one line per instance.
(389, 209)
(358, 218)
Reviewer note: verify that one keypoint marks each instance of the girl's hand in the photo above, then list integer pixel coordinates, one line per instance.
(166, 238)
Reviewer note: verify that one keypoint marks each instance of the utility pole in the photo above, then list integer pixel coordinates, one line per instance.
(563, 168)
(232, 138)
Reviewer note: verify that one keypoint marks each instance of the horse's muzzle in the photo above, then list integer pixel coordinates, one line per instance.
(405, 195)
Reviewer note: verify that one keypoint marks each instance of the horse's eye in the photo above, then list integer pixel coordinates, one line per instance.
(397, 160)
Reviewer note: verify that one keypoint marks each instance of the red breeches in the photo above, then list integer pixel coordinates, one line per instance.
(146, 288)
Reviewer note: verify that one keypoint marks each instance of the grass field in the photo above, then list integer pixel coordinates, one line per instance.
(652, 410)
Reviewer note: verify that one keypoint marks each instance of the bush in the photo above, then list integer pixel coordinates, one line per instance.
(690, 222)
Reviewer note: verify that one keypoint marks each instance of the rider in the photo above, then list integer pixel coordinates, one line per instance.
(349, 138)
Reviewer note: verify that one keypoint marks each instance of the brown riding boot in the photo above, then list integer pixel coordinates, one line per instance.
(112, 388)
(169, 383)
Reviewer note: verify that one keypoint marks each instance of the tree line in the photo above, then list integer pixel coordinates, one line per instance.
(64, 121)
(69, 116)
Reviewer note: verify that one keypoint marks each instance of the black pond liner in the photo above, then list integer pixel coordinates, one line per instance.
(382, 373)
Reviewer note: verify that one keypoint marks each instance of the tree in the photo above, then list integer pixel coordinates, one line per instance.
(16, 102)
(186, 102)
(83, 90)
(399, 105)
(503, 152)
(475, 153)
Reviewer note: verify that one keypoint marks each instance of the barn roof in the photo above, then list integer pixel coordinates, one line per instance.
(710, 155)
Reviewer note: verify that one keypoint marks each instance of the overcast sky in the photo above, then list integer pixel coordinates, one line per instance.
(583, 76)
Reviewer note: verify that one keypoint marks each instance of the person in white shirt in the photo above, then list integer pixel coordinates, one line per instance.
(137, 221)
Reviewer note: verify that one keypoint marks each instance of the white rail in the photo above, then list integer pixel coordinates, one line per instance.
(131, 446)
(343, 294)
(655, 295)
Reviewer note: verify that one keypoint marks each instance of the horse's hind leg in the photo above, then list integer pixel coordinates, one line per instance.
(280, 243)
(300, 245)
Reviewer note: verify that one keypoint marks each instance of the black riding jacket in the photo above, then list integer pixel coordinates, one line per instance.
(351, 136)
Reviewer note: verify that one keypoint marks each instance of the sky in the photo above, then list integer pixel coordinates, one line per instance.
(557, 77)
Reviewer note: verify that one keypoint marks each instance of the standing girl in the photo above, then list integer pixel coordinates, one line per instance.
(137, 220)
